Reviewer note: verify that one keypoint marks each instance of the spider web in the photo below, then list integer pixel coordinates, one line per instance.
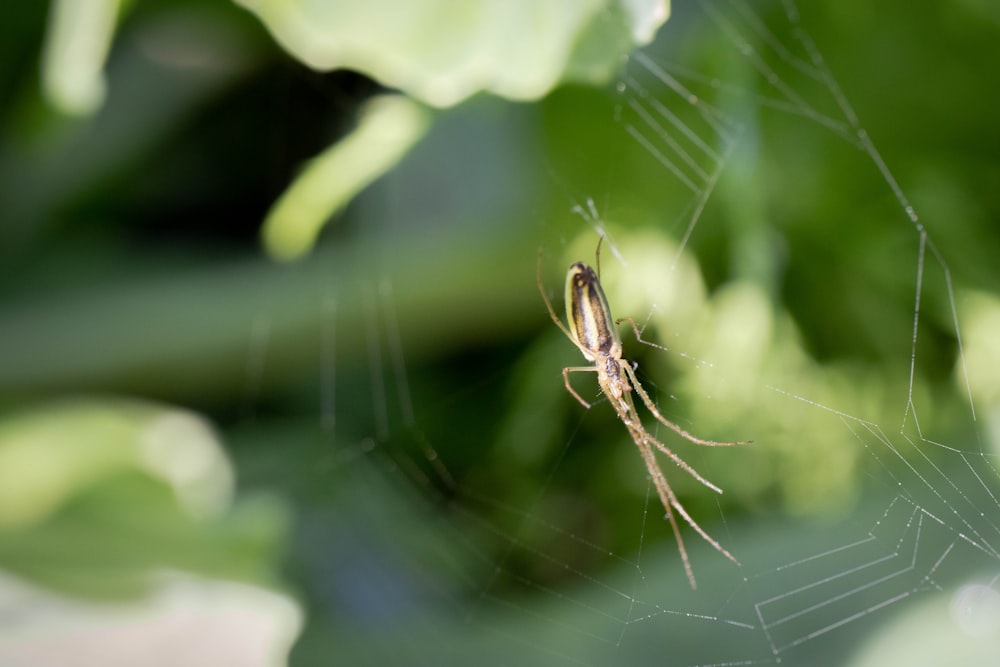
(430, 560)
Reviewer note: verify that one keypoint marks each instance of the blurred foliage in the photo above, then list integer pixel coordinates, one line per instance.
(440, 52)
(443, 51)
(387, 128)
(399, 389)
(100, 496)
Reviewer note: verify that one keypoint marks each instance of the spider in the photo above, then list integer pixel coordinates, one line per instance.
(596, 335)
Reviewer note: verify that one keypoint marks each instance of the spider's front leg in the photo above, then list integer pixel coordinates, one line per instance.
(569, 387)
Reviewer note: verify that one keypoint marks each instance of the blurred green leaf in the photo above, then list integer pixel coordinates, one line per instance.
(99, 496)
(388, 127)
(77, 44)
(49, 455)
(443, 51)
(440, 52)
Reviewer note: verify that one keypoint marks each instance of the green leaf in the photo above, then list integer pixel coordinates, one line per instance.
(389, 126)
(443, 51)
(76, 46)
(98, 497)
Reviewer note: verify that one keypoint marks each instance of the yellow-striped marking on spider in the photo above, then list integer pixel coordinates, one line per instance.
(595, 334)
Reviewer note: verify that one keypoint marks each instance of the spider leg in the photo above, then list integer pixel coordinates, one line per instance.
(681, 463)
(670, 500)
(576, 369)
(638, 335)
(626, 411)
(665, 493)
(676, 504)
(548, 302)
(669, 424)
